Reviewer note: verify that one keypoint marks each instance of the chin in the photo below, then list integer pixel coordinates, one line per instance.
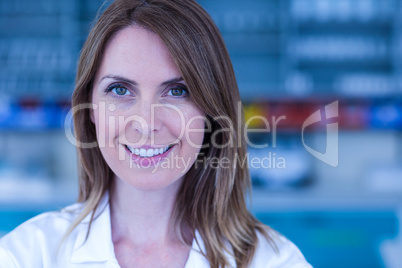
(142, 180)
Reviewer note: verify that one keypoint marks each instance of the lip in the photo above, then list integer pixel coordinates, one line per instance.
(146, 147)
(148, 161)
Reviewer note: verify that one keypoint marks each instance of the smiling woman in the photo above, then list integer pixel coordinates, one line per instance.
(164, 101)
(138, 77)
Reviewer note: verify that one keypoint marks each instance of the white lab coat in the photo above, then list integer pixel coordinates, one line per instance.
(35, 242)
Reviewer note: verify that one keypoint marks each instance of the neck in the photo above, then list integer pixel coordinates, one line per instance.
(142, 217)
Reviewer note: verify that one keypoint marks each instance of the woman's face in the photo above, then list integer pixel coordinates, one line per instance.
(148, 129)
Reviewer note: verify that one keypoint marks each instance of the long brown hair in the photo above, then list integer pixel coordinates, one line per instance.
(211, 200)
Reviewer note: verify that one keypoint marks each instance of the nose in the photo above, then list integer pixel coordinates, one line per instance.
(146, 118)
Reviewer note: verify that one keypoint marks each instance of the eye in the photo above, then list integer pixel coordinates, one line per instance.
(118, 90)
(178, 91)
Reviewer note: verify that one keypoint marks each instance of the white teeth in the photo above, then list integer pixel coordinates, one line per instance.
(148, 153)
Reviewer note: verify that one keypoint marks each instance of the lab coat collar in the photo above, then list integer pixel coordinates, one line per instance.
(197, 258)
(98, 247)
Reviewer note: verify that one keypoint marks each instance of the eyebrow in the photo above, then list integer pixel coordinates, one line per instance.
(121, 78)
(134, 83)
(171, 81)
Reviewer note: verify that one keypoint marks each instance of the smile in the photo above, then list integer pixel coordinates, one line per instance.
(150, 152)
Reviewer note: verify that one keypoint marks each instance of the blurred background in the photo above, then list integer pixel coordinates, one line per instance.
(292, 58)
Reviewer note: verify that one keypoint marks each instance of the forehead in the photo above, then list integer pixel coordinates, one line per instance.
(137, 53)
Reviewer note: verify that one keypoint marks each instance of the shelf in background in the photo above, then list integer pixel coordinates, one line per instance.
(352, 114)
(32, 115)
(320, 199)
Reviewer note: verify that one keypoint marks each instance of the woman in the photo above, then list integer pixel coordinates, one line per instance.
(165, 184)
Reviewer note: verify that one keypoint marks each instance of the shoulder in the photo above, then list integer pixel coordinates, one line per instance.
(278, 253)
(38, 238)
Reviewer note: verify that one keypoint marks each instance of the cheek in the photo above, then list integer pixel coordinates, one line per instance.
(187, 123)
(106, 126)
(195, 130)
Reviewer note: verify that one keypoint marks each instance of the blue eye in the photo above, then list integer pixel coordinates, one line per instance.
(178, 91)
(118, 90)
